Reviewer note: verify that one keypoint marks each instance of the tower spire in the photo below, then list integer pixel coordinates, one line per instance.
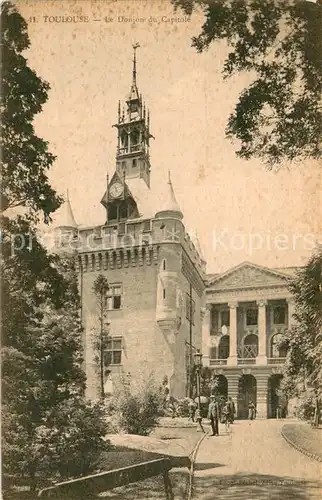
(134, 93)
(133, 133)
(135, 46)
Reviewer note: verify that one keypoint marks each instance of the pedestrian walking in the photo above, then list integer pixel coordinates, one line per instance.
(214, 415)
(251, 411)
(192, 410)
(227, 416)
(232, 409)
(199, 419)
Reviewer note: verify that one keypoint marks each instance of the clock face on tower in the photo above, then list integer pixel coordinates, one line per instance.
(116, 190)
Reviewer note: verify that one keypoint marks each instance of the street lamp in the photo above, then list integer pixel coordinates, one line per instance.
(198, 365)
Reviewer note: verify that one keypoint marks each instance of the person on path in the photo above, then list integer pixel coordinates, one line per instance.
(227, 416)
(251, 411)
(232, 409)
(199, 419)
(214, 415)
(192, 410)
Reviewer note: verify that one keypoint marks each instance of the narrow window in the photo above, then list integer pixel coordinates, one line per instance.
(113, 353)
(113, 299)
(164, 293)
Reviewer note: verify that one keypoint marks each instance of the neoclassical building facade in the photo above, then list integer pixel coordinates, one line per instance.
(247, 309)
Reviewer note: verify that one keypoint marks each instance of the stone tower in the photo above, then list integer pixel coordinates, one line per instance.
(150, 262)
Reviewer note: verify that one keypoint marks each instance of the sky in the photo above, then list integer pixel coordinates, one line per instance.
(239, 209)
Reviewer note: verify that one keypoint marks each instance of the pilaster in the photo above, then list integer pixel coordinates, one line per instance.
(290, 312)
(262, 393)
(233, 388)
(232, 360)
(261, 358)
(206, 313)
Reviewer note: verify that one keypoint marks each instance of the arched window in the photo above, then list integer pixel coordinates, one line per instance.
(164, 264)
(276, 351)
(250, 346)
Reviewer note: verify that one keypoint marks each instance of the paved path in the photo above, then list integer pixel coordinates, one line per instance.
(254, 462)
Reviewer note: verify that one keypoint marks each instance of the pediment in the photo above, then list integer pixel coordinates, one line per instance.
(248, 275)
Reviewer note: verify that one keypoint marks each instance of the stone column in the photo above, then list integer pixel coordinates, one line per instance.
(206, 318)
(262, 336)
(262, 395)
(232, 360)
(290, 311)
(233, 389)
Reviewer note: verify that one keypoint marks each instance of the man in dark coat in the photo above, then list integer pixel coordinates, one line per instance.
(232, 409)
(214, 415)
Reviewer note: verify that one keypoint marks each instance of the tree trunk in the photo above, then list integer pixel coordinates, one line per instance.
(102, 349)
(102, 366)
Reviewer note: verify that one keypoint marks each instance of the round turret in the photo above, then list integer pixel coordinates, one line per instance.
(169, 206)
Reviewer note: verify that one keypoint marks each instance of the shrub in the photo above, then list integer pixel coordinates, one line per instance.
(137, 407)
(305, 407)
(183, 407)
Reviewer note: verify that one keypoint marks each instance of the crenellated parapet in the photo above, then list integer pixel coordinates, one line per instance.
(116, 259)
(136, 243)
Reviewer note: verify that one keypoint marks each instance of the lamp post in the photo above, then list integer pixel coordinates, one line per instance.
(198, 365)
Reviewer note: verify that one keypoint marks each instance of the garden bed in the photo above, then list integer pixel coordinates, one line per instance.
(305, 439)
(178, 441)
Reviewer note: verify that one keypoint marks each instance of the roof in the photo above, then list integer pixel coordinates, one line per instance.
(143, 196)
(195, 240)
(212, 279)
(167, 202)
(291, 271)
(64, 217)
(281, 271)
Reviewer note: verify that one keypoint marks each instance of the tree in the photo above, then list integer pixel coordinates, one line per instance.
(25, 157)
(100, 289)
(303, 367)
(278, 116)
(49, 428)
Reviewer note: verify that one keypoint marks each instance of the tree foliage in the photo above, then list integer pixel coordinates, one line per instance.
(25, 157)
(303, 367)
(278, 116)
(48, 427)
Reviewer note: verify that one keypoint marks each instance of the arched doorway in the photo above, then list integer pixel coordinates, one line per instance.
(223, 348)
(275, 397)
(247, 390)
(250, 349)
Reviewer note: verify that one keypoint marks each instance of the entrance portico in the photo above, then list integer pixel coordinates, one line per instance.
(248, 309)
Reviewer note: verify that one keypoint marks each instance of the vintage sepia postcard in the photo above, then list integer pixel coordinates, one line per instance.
(161, 266)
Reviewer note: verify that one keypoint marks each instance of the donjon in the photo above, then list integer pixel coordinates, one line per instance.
(155, 270)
